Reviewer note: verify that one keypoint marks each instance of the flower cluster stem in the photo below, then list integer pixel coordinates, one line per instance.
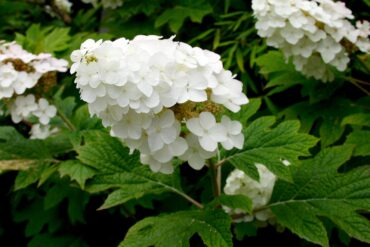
(66, 121)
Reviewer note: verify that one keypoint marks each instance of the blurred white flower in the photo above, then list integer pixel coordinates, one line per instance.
(303, 29)
(45, 111)
(63, 5)
(106, 3)
(21, 70)
(258, 191)
(23, 107)
(39, 131)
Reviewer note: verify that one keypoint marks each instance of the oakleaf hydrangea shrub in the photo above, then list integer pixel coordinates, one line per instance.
(20, 73)
(293, 155)
(316, 34)
(161, 97)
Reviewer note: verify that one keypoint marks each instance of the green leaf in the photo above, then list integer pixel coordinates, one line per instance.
(36, 217)
(32, 175)
(320, 191)
(245, 229)
(48, 39)
(45, 239)
(281, 75)
(117, 169)
(236, 202)
(76, 171)
(360, 138)
(176, 229)
(13, 146)
(82, 120)
(176, 16)
(267, 145)
(240, 60)
(77, 200)
(361, 119)
(331, 128)
(33, 156)
(247, 111)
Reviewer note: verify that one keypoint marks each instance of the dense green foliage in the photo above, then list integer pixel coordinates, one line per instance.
(82, 187)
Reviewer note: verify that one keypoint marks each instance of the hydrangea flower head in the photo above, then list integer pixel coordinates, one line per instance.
(160, 97)
(313, 33)
(21, 70)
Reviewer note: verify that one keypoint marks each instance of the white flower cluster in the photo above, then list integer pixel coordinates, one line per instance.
(20, 70)
(259, 192)
(63, 5)
(26, 107)
(316, 34)
(106, 3)
(149, 89)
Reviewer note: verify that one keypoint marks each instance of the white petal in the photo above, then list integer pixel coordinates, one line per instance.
(228, 144)
(168, 135)
(155, 142)
(178, 147)
(167, 168)
(44, 119)
(153, 100)
(235, 128)
(197, 95)
(51, 111)
(167, 119)
(218, 133)
(119, 131)
(134, 132)
(163, 155)
(207, 120)
(238, 140)
(194, 126)
(122, 101)
(207, 143)
(145, 88)
(196, 162)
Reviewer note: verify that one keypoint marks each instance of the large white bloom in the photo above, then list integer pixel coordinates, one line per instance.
(313, 33)
(137, 88)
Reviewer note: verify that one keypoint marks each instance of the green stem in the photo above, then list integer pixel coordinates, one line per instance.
(355, 83)
(216, 175)
(66, 121)
(363, 63)
(361, 81)
(188, 198)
